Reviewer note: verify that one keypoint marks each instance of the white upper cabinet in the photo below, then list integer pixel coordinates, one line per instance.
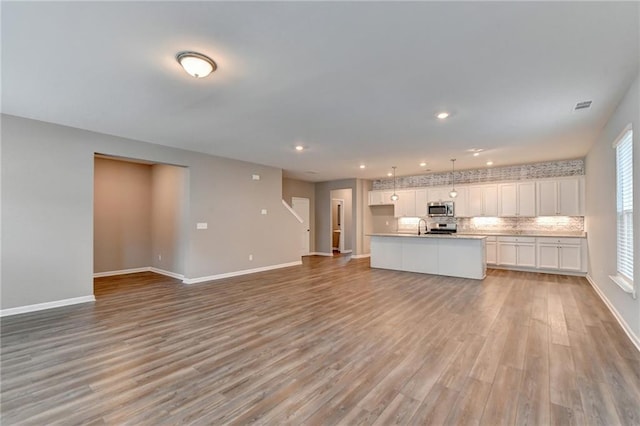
(483, 200)
(406, 204)
(421, 202)
(440, 193)
(546, 197)
(517, 199)
(378, 198)
(560, 197)
(460, 203)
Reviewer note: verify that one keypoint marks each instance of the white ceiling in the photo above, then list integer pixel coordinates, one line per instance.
(353, 82)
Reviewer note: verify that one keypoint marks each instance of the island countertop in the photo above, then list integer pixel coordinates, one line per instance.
(456, 236)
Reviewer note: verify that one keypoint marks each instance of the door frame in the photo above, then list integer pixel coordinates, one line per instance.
(340, 223)
(308, 201)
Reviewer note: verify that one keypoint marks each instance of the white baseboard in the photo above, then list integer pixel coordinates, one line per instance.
(47, 305)
(536, 270)
(237, 273)
(137, 270)
(360, 256)
(120, 272)
(319, 253)
(345, 251)
(634, 339)
(167, 273)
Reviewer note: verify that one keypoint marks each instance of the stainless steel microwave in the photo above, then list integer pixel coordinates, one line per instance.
(441, 208)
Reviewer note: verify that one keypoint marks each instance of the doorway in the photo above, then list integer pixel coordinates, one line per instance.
(337, 225)
(140, 220)
(301, 207)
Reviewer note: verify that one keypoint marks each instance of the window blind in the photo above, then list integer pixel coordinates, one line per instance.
(624, 205)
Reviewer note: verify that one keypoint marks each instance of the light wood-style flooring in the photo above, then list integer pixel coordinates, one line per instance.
(328, 342)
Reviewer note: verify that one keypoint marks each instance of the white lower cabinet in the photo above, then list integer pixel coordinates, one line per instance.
(565, 254)
(517, 251)
(492, 250)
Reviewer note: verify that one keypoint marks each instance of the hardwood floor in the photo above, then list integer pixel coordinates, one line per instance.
(328, 342)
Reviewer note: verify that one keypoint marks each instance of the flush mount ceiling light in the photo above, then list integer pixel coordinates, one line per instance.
(453, 193)
(442, 115)
(389, 174)
(196, 64)
(394, 197)
(362, 166)
(423, 164)
(489, 163)
(299, 147)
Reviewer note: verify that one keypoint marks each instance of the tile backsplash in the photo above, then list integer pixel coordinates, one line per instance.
(509, 173)
(523, 224)
(559, 224)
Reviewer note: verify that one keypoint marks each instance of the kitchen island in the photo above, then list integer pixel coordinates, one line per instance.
(451, 255)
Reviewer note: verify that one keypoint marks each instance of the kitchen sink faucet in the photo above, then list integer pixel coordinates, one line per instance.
(425, 226)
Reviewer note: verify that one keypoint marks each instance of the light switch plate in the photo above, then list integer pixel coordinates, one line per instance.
(202, 225)
(263, 211)
(255, 177)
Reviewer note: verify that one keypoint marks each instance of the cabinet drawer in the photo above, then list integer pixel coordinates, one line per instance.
(516, 239)
(562, 240)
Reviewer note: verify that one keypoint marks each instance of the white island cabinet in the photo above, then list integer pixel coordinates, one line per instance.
(450, 255)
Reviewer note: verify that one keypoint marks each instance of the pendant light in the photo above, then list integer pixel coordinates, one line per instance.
(394, 197)
(453, 193)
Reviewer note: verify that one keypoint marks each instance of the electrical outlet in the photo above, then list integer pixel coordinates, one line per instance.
(250, 257)
(202, 225)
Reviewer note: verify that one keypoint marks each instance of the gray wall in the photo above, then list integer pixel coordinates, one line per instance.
(364, 222)
(298, 188)
(600, 219)
(168, 217)
(122, 208)
(47, 211)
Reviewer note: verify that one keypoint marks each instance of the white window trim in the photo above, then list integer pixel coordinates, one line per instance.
(621, 281)
(625, 285)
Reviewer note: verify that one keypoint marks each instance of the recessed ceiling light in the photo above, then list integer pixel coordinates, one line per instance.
(362, 166)
(299, 147)
(475, 154)
(423, 164)
(442, 115)
(489, 163)
(196, 64)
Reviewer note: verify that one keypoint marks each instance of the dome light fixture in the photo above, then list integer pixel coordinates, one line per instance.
(196, 64)
(442, 115)
(394, 196)
(453, 193)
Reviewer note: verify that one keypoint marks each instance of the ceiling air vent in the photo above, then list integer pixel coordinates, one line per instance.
(582, 105)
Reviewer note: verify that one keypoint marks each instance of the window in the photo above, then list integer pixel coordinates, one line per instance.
(624, 210)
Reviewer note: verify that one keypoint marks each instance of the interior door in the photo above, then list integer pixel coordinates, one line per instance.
(301, 207)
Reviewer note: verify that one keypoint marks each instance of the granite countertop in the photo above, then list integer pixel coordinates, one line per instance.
(560, 234)
(456, 236)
